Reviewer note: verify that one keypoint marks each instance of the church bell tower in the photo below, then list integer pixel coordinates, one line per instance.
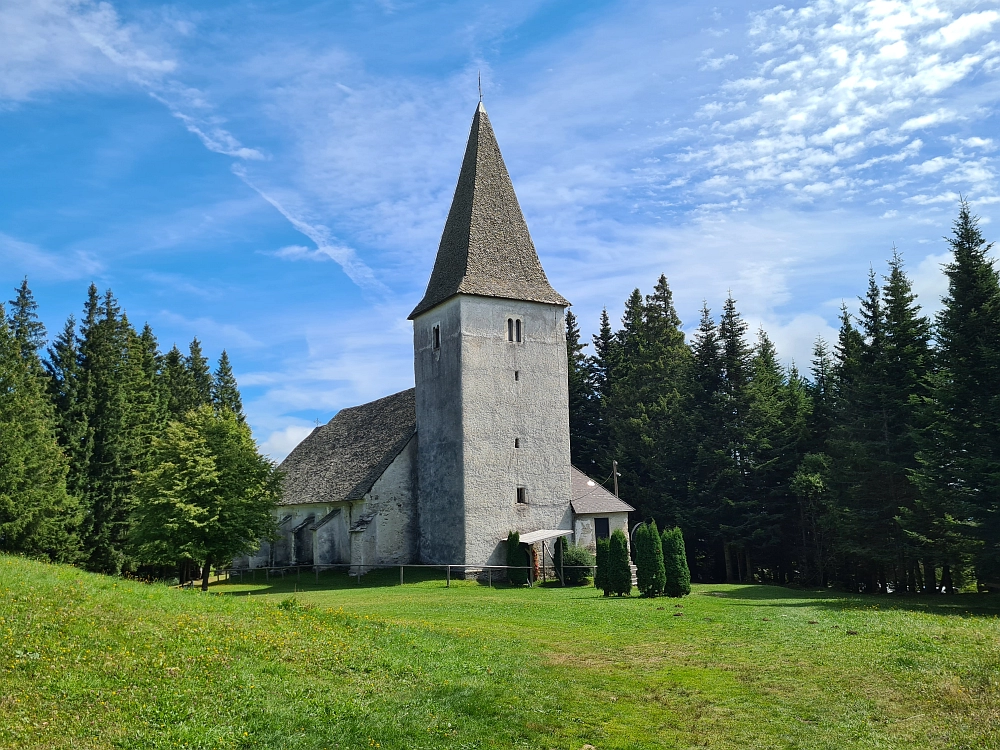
(490, 366)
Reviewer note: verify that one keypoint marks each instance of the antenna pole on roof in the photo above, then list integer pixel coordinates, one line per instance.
(614, 473)
(480, 73)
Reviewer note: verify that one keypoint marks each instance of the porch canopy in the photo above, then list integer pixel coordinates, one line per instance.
(543, 535)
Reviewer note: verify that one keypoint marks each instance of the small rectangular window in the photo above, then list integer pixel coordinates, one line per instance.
(437, 337)
(517, 374)
(517, 331)
(602, 528)
(522, 496)
(517, 442)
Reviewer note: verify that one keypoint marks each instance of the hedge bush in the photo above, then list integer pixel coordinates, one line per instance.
(570, 555)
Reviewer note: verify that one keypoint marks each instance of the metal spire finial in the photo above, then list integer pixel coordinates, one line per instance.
(480, 73)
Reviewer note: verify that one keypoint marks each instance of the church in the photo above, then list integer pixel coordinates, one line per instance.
(442, 472)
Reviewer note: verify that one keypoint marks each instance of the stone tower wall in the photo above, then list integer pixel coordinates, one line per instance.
(438, 377)
(485, 431)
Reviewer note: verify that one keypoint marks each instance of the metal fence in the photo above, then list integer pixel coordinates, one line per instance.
(357, 570)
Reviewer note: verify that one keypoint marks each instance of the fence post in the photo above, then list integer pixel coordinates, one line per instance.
(489, 575)
(447, 584)
(400, 575)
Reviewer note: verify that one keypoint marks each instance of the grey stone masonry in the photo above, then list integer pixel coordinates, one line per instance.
(492, 417)
(485, 247)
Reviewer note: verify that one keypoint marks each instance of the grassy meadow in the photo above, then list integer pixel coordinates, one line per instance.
(94, 662)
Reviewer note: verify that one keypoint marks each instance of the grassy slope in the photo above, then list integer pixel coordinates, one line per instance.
(87, 661)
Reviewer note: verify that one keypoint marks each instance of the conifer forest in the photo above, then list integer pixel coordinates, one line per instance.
(118, 458)
(877, 470)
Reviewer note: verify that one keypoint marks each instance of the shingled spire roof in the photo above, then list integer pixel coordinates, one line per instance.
(485, 248)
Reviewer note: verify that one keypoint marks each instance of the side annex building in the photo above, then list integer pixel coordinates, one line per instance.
(440, 473)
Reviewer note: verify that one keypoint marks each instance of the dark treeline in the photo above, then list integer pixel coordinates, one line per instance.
(878, 470)
(80, 422)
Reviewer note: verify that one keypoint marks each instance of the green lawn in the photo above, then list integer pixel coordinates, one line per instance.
(89, 662)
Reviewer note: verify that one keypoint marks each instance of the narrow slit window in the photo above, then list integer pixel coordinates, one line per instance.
(517, 442)
(510, 329)
(517, 374)
(522, 495)
(437, 337)
(517, 331)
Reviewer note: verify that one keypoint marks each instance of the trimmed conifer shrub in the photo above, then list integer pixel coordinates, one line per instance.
(678, 577)
(644, 564)
(619, 566)
(601, 576)
(649, 559)
(517, 559)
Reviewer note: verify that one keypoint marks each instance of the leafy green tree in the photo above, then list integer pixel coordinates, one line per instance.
(958, 511)
(678, 576)
(225, 391)
(619, 580)
(650, 572)
(208, 496)
(601, 574)
(37, 516)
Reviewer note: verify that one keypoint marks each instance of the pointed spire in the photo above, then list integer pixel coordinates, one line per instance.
(486, 249)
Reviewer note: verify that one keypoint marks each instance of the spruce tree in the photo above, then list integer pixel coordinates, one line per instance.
(677, 575)
(63, 368)
(619, 581)
(582, 400)
(37, 516)
(178, 385)
(602, 369)
(651, 404)
(225, 391)
(733, 491)
(959, 460)
(196, 364)
(705, 504)
(27, 329)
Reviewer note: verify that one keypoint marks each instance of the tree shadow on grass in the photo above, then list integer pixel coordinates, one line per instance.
(960, 605)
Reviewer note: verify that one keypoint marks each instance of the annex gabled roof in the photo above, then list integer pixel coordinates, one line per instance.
(343, 459)
(485, 248)
(590, 497)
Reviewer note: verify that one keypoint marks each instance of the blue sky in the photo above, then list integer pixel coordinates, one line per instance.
(274, 177)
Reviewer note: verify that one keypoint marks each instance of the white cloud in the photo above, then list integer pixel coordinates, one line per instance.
(51, 44)
(45, 264)
(281, 442)
(930, 120)
(718, 63)
(840, 82)
(963, 28)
